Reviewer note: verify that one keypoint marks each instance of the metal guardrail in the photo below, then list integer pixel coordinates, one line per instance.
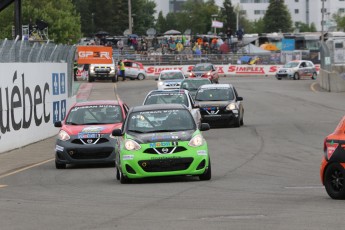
(25, 51)
(272, 58)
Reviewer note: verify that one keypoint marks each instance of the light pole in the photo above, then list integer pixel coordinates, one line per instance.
(322, 18)
(130, 16)
(93, 23)
(214, 16)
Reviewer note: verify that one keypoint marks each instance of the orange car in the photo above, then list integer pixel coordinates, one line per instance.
(332, 169)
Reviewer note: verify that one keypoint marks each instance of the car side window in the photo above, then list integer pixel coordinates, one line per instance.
(128, 64)
(309, 64)
(303, 65)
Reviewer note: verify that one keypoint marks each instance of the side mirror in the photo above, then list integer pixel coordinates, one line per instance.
(204, 127)
(58, 124)
(239, 98)
(116, 132)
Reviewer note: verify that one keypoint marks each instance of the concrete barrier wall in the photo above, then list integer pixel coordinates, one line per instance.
(333, 81)
(32, 97)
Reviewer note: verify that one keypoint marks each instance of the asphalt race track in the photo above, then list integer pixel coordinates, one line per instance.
(265, 175)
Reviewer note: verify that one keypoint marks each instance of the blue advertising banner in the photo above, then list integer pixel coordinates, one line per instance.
(288, 44)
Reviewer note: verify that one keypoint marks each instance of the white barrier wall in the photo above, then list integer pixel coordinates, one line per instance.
(32, 97)
(226, 70)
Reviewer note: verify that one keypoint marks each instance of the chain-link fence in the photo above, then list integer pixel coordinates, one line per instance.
(34, 52)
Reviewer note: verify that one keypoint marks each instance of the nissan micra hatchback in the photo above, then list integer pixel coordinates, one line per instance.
(161, 140)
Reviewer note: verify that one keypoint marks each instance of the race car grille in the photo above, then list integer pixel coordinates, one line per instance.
(90, 153)
(282, 75)
(172, 84)
(165, 150)
(166, 165)
(102, 70)
(89, 141)
(213, 111)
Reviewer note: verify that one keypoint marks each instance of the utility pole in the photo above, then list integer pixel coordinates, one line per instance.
(322, 19)
(130, 16)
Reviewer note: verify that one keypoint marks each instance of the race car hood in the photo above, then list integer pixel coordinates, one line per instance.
(163, 137)
(221, 104)
(101, 128)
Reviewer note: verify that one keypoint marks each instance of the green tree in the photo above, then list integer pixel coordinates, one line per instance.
(303, 27)
(277, 17)
(6, 22)
(228, 16)
(60, 15)
(340, 20)
(161, 24)
(143, 19)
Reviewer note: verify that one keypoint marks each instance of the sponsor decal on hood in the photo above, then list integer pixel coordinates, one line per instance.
(163, 138)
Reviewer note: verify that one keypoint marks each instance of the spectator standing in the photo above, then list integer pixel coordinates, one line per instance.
(120, 45)
(229, 34)
(122, 70)
(239, 34)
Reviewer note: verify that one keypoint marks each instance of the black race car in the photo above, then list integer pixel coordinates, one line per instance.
(220, 103)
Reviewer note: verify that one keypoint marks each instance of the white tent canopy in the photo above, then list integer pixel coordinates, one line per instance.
(252, 49)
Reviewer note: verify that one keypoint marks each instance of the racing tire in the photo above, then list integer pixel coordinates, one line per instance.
(313, 76)
(241, 122)
(60, 165)
(123, 179)
(279, 78)
(114, 79)
(296, 76)
(90, 79)
(237, 122)
(140, 76)
(334, 180)
(117, 174)
(208, 174)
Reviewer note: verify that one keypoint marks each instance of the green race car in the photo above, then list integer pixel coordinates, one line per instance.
(161, 140)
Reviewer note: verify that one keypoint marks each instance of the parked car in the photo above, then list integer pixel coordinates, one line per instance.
(170, 79)
(174, 96)
(205, 70)
(332, 170)
(193, 84)
(134, 70)
(220, 103)
(85, 134)
(102, 72)
(296, 70)
(161, 140)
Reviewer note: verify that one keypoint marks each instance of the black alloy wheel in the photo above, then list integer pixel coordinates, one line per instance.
(334, 181)
(207, 174)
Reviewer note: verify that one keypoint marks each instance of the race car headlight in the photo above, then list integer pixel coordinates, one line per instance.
(131, 145)
(160, 83)
(63, 136)
(196, 141)
(208, 73)
(231, 106)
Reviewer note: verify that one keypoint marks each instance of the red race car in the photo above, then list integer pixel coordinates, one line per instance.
(332, 169)
(205, 70)
(85, 134)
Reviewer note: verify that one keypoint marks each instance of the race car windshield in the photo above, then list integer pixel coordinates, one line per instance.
(160, 121)
(95, 114)
(291, 65)
(216, 94)
(171, 76)
(167, 98)
(194, 85)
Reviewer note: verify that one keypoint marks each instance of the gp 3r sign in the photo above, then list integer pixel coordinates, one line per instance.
(94, 55)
